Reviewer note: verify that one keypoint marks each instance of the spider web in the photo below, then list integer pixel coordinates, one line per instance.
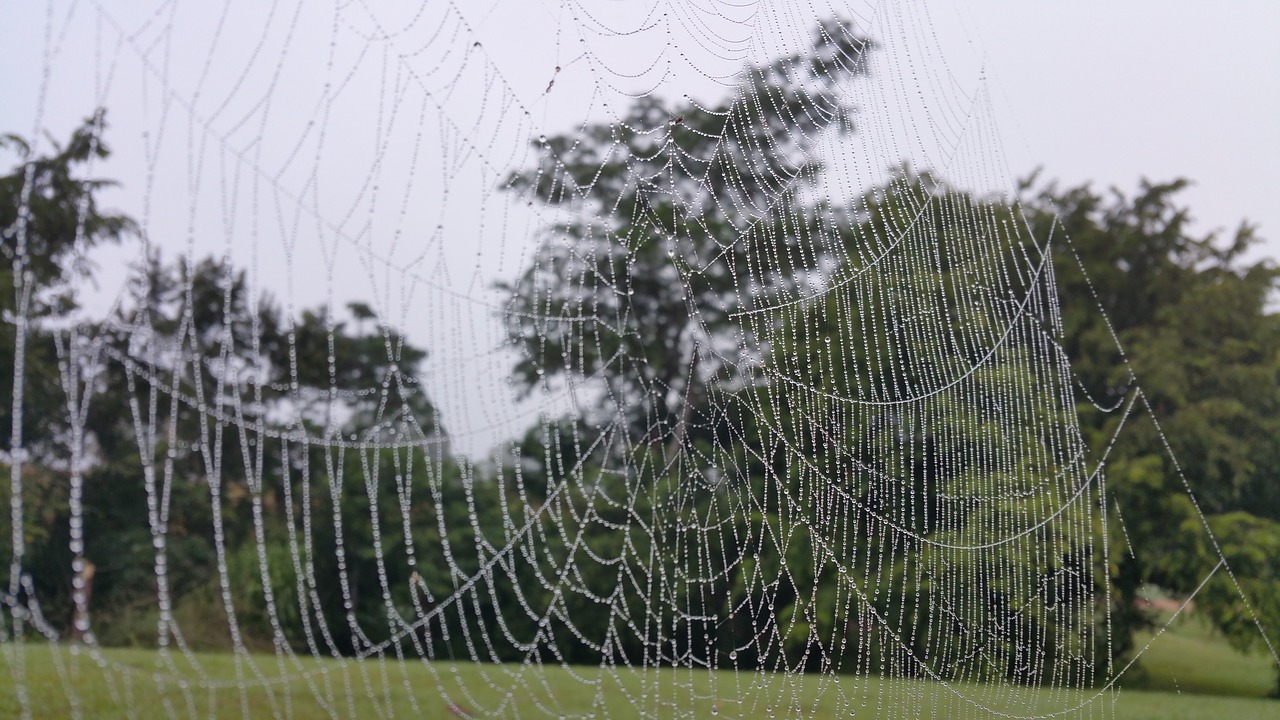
(790, 430)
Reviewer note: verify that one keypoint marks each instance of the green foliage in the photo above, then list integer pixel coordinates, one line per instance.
(50, 217)
(934, 400)
(673, 213)
(194, 388)
(641, 287)
(1193, 319)
(1200, 335)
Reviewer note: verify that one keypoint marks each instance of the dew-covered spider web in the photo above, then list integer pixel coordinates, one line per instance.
(546, 359)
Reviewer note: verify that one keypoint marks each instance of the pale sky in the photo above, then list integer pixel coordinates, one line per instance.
(370, 172)
(1112, 91)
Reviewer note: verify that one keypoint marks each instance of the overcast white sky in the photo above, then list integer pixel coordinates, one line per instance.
(296, 160)
(1112, 91)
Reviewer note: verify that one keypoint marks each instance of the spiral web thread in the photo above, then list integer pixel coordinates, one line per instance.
(835, 468)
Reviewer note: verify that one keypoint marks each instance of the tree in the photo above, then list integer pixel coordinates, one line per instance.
(198, 394)
(1193, 321)
(689, 278)
(272, 426)
(668, 212)
(50, 217)
(1195, 333)
(1199, 335)
(926, 443)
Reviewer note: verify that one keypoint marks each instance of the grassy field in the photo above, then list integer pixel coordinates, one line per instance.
(1187, 673)
(1191, 657)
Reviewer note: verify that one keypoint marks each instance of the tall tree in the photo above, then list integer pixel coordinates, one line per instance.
(925, 445)
(667, 214)
(50, 218)
(1199, 354)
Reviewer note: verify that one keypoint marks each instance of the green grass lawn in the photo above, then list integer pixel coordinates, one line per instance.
(122, 683)
(1191, 657)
